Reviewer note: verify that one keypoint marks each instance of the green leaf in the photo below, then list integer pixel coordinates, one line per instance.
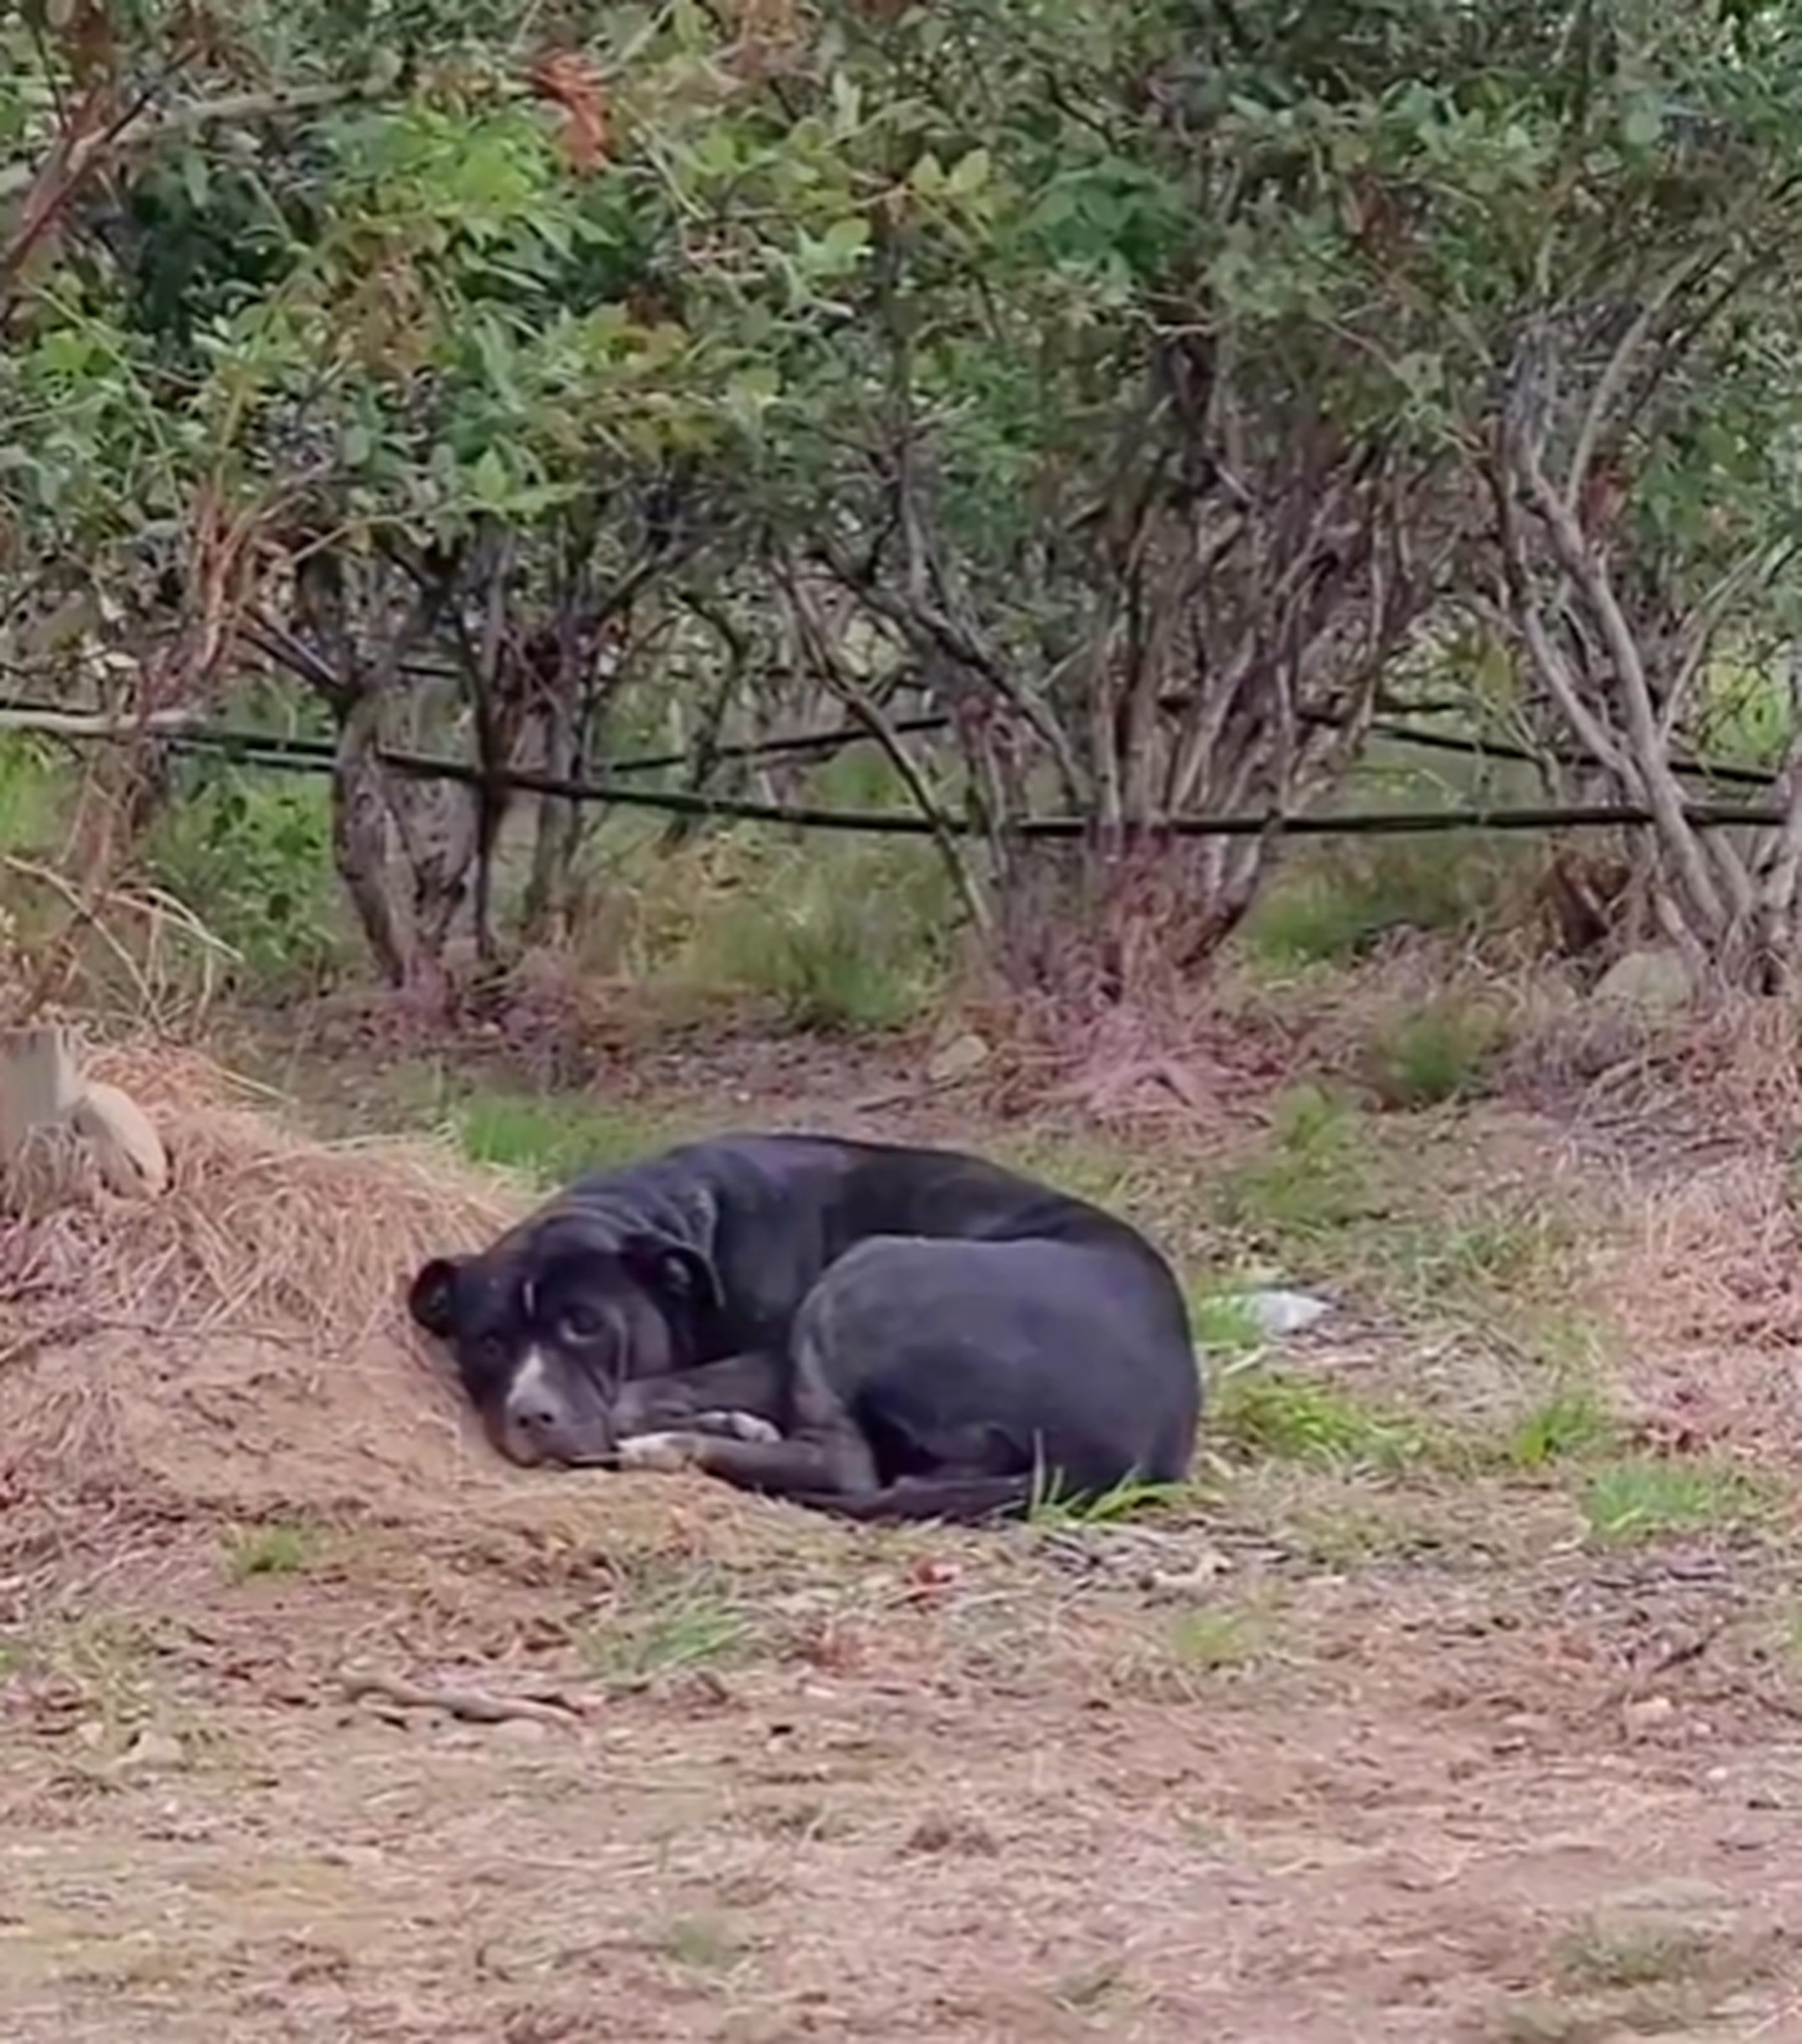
(489, 481)
(842, 243)
(927, 176)
(969, 174)
(195, 179)
(1644, 125)
(847, 106)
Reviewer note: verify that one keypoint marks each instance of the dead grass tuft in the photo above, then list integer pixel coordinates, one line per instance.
(1705, 1271)
(1715, 1074)
(262, 1233)
(247, 1330)
(1190, 1066)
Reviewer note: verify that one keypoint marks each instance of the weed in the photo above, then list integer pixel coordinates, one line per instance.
(1215, 1640)
(701, 1944)
(549, 1139)
(1600, 1956)
(1313, 1179)
(254, 862)
(1318, 914)
(683, 1625)
(1126, 1499)
(1617, 1979)
(1091, 1169)
(274, 1550)
(1440, 1053)
(851, 944)
(33, 794)
(1569, 1424)
(1489, 1257)
(1380, 1526)
(1282, 1416)
(1644, 1497)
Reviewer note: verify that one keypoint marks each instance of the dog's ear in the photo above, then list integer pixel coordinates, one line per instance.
(431, 1298)
(672, 1268)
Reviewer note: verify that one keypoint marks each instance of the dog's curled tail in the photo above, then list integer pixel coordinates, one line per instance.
(960, 1501)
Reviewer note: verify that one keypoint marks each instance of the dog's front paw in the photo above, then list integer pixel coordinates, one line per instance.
(726, 1423)
(667, 1454)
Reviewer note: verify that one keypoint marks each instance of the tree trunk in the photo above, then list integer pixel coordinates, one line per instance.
(359, 842)
(1129, 926)
(557, 831)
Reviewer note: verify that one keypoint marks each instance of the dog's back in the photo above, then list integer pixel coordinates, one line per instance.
(776, 1210)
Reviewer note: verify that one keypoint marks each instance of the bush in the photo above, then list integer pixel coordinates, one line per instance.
(253, 861)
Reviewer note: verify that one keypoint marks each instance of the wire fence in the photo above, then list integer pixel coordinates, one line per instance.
(274, 752)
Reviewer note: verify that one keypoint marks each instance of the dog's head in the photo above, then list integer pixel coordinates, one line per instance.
(547, 1325)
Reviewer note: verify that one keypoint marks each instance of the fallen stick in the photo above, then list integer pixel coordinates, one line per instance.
(475, 1707)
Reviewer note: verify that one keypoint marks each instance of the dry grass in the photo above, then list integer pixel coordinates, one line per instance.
(1715, 1074)
(1705, 1272)
(249, 1321)
(1280, 1768)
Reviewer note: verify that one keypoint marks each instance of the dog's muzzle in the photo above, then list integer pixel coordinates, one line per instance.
(535, 1423)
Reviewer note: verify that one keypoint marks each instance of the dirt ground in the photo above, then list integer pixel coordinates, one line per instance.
(1348, 1746)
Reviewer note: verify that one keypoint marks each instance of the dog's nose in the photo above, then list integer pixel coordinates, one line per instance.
(532, 1415)
(533, 1411)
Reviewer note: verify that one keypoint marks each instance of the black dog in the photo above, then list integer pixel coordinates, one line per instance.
(880, 1332)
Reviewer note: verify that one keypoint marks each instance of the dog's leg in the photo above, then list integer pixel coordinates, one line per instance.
(743, 1398)
(823, 1451)
(727, 1423)
(810, 1463)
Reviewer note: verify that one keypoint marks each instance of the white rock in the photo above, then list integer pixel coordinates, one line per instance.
(1277, 1312)
(1653, 979)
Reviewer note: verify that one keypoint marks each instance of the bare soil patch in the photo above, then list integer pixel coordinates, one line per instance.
(318, 1724)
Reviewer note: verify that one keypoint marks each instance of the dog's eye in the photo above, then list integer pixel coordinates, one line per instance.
(580, 1323)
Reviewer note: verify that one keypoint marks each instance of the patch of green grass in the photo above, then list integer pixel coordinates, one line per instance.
(1125, 1500)
(1311, 1182)
(1173, 1660)
(679, 1625)
(1629, 1974)
(1225, 1330)
(35, 793)
(1333, 912)
(273, 1549)
(1570, 1424)
(548, 1139)
(1440, 1053)
(1282, 1415)
(701, 1944)
(1645, 1497)
(1215, 1640)
(852, 941)
(1611, 1957)
(109, 1659)
(1495, 1260)
(252, 858)
(1499, 1251)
